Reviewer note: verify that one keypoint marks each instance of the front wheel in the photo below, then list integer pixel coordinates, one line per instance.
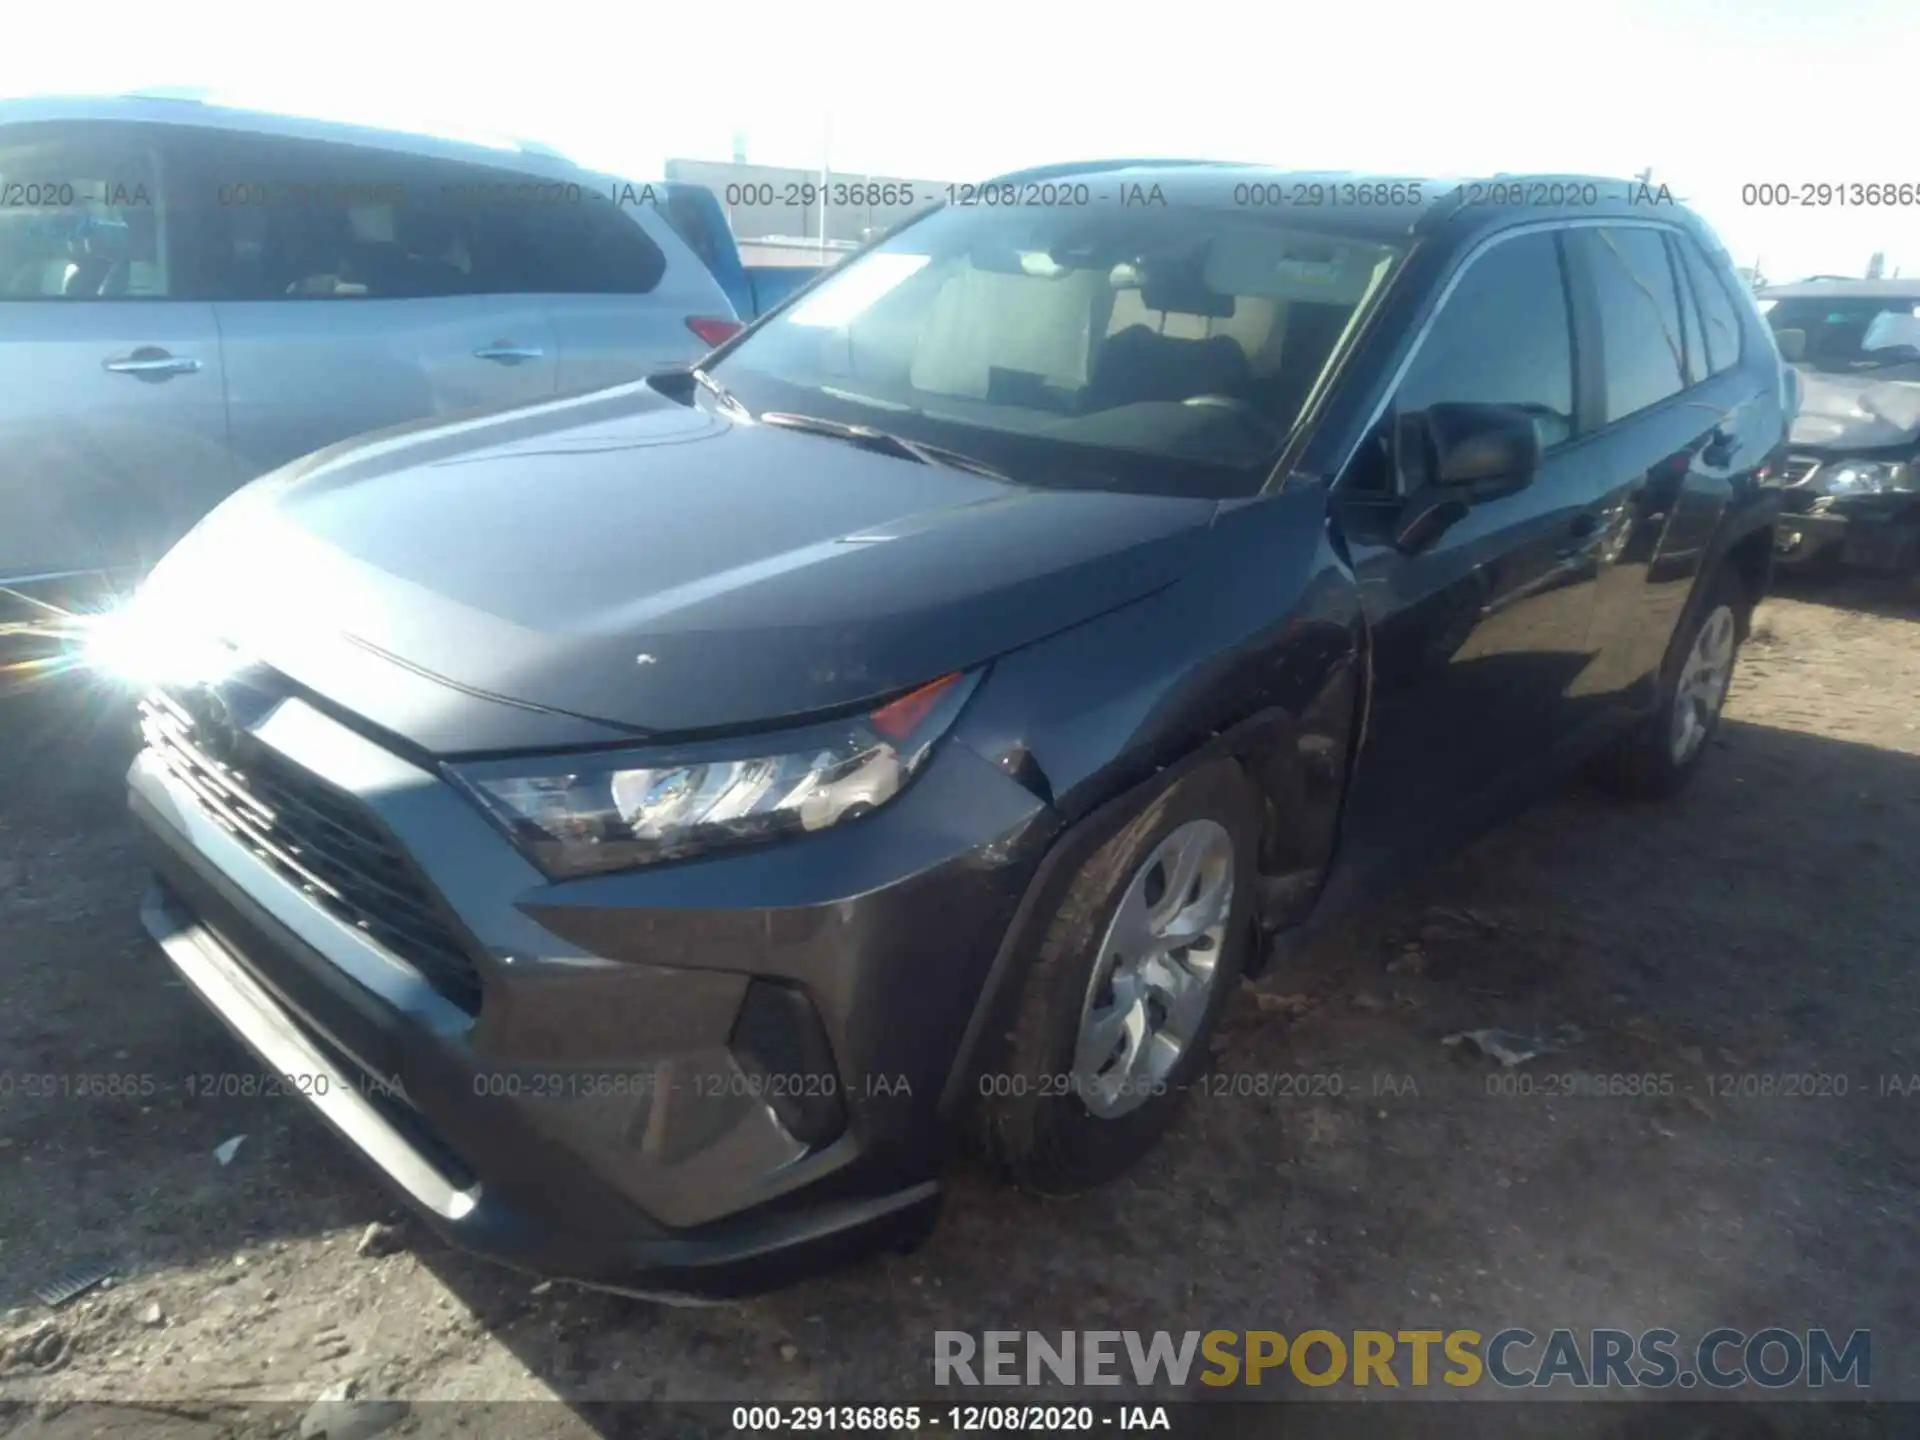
(1118, 1007)
(1657, 758)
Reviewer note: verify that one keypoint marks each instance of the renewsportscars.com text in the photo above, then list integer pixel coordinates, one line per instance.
(1512, 1358)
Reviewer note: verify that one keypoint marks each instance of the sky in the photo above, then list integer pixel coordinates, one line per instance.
(1714, 96)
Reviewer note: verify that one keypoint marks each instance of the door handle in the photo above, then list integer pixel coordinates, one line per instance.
(149, 362)
(505, 352)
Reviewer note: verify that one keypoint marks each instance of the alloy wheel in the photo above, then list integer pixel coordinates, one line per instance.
(1702, 688)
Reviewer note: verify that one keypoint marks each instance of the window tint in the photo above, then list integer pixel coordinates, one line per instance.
(689, 219)
(1697, 369)
(1640, 330)
(1717, 314)
(297, 220)
(79, 218)
(590, 248)
(1502, 338)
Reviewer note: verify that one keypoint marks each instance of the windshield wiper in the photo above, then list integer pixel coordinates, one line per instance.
(1886, 362)
(728, 400)
(885, 441)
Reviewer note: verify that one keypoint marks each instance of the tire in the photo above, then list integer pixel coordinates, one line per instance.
(1653, 761)
(1056, 1127)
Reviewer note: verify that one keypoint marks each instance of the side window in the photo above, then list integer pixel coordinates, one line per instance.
(298, 220)
(594, 247)
(1640, 330)
(302, 220)
(1689, 316)
(1717, 314)
(80, 216)
(1502, 338)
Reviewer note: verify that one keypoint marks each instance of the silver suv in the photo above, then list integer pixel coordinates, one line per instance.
(192, 295)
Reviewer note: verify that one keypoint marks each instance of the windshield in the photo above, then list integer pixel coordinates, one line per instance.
(1165, 349)
(1847, 335)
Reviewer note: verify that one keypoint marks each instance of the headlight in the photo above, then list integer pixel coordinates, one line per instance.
(152, 639)
(583, 814)
(1868, 477)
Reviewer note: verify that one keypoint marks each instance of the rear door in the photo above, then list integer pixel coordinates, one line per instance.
(356, 288)
(1478, 639)
(1664, 447)
(113, 428)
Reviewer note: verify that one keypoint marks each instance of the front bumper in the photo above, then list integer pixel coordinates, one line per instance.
(1867, 532)
(602, 1114)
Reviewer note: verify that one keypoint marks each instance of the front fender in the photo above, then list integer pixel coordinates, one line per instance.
(1256, 654)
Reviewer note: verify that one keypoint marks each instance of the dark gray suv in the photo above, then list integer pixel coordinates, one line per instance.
(654, 827)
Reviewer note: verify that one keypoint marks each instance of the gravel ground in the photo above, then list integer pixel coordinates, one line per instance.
(1764, 925)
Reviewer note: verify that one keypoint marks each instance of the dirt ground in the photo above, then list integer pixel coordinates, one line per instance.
(1764, 925)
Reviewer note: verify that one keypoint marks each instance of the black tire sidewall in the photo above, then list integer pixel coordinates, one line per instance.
(1043, 1131)
(1640, 764)
(1721, 594)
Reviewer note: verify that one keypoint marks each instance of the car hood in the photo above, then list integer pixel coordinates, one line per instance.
(624, 559)
(1856, 412)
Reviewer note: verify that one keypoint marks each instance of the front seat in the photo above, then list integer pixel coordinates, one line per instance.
(1139, 364)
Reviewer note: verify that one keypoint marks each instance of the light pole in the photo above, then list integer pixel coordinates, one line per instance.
(826, 169)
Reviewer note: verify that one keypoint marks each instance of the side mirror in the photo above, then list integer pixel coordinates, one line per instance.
(1453, 455)
(1793, 345)
(1490, 450)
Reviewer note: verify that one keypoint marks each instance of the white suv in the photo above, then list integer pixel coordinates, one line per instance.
(192, 295)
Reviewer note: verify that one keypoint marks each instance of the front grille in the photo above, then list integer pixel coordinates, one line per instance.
(316, 837)
(1798, 469)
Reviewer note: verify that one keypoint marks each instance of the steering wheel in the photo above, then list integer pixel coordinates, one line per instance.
(1237, 406)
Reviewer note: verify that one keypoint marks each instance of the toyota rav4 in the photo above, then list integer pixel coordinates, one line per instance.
(653, 826)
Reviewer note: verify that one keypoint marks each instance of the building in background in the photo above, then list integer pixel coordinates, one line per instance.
(776, 210)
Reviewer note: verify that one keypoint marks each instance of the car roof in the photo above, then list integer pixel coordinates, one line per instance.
(1446, 202)
(206, 112)
(1836, 289)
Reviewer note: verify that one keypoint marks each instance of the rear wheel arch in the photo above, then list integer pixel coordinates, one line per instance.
(1749, 560)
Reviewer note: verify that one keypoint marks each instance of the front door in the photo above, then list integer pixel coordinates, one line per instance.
(1478, 637)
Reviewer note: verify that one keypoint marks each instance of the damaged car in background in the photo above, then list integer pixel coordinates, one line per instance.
(1851, 483)
(671, 818)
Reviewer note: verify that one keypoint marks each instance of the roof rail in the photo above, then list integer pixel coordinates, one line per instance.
(187, 94)
(540, 148)
(1085, 167)
(1455, 200)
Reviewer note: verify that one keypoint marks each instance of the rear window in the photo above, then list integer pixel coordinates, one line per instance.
(592, 248)
(1717, 315)
(1640, 328)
